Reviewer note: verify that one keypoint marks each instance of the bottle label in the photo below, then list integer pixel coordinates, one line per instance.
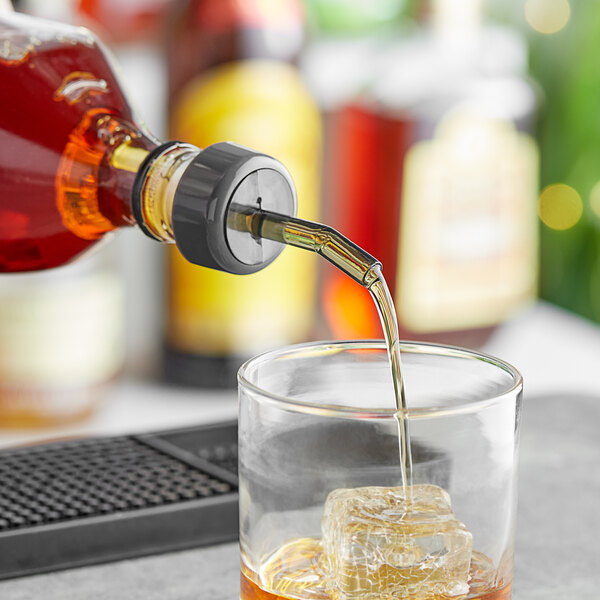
(468, 228)
(262, 105)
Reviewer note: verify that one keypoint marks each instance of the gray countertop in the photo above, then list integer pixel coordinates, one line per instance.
(558, 520)
(557, 550)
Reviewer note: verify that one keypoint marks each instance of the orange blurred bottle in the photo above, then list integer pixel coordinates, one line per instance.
(231, 76)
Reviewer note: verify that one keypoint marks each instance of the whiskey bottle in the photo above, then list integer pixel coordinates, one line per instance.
(76, 164)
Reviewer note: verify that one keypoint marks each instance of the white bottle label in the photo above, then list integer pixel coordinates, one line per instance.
(468, 230)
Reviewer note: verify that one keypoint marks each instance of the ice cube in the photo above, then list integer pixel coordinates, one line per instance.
(294, 571)
(379, 545)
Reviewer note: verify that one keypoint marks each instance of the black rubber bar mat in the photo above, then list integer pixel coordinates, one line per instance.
(92, 500)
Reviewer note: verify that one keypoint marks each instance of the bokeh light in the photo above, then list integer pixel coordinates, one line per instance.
(595, 199)
(547, 16)
(560, 206)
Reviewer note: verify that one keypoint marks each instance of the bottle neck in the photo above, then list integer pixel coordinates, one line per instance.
(112, 175)
(156, 183)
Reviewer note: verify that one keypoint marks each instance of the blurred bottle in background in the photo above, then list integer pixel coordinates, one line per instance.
(347, 39)
(61, 341)
(232, 77)
(435, 172)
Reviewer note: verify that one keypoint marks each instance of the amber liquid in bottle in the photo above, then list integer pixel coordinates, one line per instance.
(62, 113)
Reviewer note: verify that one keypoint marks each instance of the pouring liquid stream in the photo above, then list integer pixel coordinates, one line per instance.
(389, 322)
(363, 268)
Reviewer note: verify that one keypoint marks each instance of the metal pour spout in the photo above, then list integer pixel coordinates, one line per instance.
(322, 239)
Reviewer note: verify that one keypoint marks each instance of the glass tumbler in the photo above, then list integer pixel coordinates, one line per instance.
(321, 417)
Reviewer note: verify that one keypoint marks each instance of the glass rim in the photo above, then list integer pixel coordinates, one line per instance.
(423, 348)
